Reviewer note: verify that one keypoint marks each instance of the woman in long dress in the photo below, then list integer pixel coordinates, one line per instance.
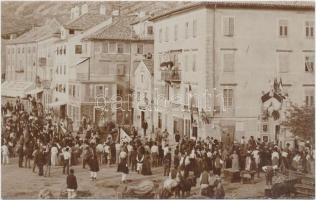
(123, 167)
(235, 161)
(146, 169)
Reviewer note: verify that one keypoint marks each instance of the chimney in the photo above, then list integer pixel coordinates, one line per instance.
(102, 9)
(84, 9)
(76, 12)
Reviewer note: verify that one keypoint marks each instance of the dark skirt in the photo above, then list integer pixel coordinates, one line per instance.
(94, 165)
(122, 167)
(146, 169)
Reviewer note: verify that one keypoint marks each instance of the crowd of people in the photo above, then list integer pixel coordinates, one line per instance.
(39, 137)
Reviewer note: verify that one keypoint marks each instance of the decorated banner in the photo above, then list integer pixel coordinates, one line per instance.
(124, 137)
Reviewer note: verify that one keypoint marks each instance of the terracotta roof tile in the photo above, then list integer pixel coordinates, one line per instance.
(120, 29)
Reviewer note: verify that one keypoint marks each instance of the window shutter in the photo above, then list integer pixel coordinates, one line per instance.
(231, 26)
(228, 62)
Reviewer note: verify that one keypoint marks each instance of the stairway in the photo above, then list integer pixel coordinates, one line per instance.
(307, 186)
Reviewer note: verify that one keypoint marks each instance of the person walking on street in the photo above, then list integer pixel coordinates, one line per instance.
(167, 164)
(94, 166)
(66, 155)
(5, 154)
(71, 185)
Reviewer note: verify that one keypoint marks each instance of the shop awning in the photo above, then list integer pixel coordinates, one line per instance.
(57, 103)
(15, 88)
(34, 91)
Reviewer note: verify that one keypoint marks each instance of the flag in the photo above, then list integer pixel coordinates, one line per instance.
(124, 137)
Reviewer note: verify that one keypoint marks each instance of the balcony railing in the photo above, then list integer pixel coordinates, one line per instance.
(171, 76)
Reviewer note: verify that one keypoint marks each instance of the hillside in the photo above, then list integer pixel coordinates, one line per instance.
(22, 15)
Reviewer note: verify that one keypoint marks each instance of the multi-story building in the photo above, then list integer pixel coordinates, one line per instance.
(69, 51)
(231, 51)
(29, 62)
(106, 72)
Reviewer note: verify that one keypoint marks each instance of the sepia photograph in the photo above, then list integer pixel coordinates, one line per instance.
(158, 99)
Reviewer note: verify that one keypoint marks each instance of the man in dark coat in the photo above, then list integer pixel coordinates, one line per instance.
(71, 184)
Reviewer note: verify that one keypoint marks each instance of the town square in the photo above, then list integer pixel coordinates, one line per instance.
(157, 100)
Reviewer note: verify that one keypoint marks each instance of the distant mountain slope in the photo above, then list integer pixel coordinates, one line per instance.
(24, 14)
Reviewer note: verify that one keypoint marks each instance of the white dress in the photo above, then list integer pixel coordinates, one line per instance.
(54, 152)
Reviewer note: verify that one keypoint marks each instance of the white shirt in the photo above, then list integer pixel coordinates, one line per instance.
(154, 149)
(4, 150)
(165, 150)
(106, 148)
(99, 148)
(275, 155)
(66, 155)
(54, 150)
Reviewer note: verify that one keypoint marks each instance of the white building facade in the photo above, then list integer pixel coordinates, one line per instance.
(233, 51)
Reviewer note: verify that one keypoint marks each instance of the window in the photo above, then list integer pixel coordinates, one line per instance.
(138, 96)
(78, 49)
(309, 63)
(186, 63)
(142, 78)
(283, 28)
(18, 50)
(194, 63)
(112, 47)
(309, 97)
(186, 30)
(105, 47)
(284, 62)
(120, 48)
(140, 48)
(150, 30)
(228, 98)
(99, 90)
(71, 31)
(57, 51)
(229, 26)
(228, 62)
(65, 50)
(65, 69)
(61, 50)
(194, 28)
(166, 34)
(160, 35)
(175, 32)
(309, 29)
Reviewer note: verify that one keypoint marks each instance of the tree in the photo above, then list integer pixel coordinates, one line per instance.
(300, 120)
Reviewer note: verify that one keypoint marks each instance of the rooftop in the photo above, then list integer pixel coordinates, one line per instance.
(280, 5)
(120, 29)
(85, 21)
(49, 29)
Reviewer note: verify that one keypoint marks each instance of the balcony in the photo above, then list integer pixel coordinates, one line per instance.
(171, 76)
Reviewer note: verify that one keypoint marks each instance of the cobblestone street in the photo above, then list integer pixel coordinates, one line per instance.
(23, 183)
